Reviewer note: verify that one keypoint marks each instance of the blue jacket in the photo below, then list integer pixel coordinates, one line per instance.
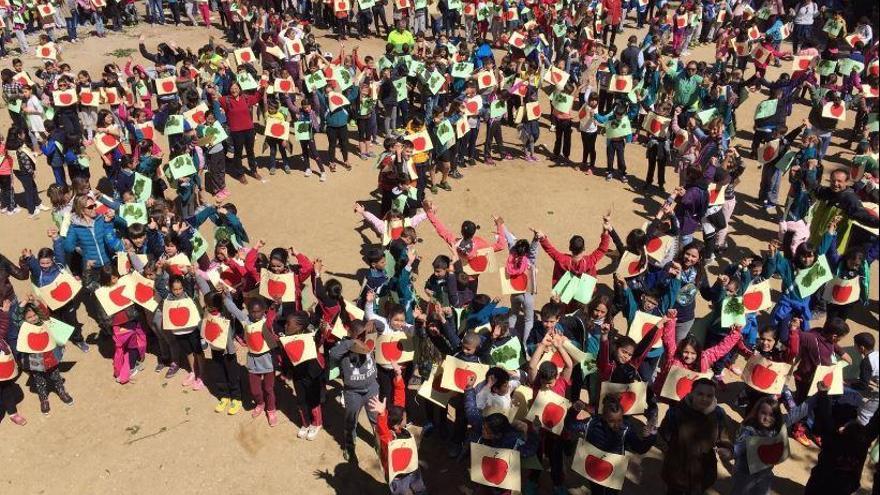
(97, 242)
(41, 277)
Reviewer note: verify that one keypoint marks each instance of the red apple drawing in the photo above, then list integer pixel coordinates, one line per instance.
(38, 341)
(836, 110)
(557, 360)
(627, 399)
(285, 85)
(7, 368)
(828, 379)
(536, 111)
(471, 107)
(461, 376)
(479, 263)
(395, 234)
(556, 77)
(295, 349)
(392, 350)
(633, 267)
(336, 100)
(109, 140)
(679, 140)
(620, 84)
(116, 296)
(771, 453)
(840, 293)
(65, 98)
(255, 341)
(713, 195)
(419, 143)
(370, 343)
(45, 51)
(494, 469)
(552, 415)
(752, 300)
(212, 330)
(804, 64)
(111, 98)
(518, 42)
(62, 292)
(487, 79)
(85, 97)
(646, 328)
(400, 458)
(276, 129)
(655, 243)
(683, 386)
(245, 56)
(597, 469)
(276, 288)
(168, 86)
(178, 316)
(763, 377)
(655, 126)
(341, 6)
(519, 282)
(199, 117)
(143, 292)
(769, 153)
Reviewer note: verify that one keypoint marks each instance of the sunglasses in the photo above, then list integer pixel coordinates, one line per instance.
(91, 206)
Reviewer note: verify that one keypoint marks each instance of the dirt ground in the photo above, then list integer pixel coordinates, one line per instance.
(152, 436)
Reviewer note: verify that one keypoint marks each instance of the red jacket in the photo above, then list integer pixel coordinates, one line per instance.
(613, 11)
(385, 433)
(564, 262)
(238, 110)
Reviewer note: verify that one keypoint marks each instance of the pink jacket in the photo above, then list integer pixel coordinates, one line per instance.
(705, 361)
(453, 240)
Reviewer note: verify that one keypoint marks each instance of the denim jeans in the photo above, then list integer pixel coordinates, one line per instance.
(72, 22)
(157, 13)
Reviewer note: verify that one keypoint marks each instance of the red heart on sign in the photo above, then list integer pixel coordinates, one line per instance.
(597, 469)
(65, 98)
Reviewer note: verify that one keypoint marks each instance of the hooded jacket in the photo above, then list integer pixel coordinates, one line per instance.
(96, 241)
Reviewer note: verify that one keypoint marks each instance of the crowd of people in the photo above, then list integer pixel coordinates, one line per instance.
(150, 249)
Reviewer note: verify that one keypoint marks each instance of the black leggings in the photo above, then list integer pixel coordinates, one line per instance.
(243, 141)
(493, 133)
(337, 136)
(228, 381)
(563, 138)
(308, 150)
(588, 143)
(657, 159)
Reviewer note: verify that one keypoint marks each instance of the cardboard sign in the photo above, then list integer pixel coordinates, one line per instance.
(280, 286)
(115, 298)
(486, 79)
(215, 331)
(336, 100)
(253, 336)
(557, 77)
(482, 262)
(757, 297)
(801, 63)
(473, 105)
(835, 111)
(550, 409)
(842, 291)
(299, 348)
(679, 382)
(498, 468)
(657, 247)
(716, 194)
(47, 51)
(421, 141)
(8, 367)
(432, 388)
(533, 111)
(831, 376)
(508, 355)
(580, 288)
(278, 129)
(641, 325)
(620, 84)
(733, 313)
(196, 115)
(34, 339)
(403, 457)
(180, 314)
(105, 143)
(598, 466)
(517, 284)
(632, 396)
(765, 375)
(810, 279)
(64, 98)
(166, 85)
(60, 291)
(768, 151)
(516, 40)
(681, 140)
(394, 347)
(244, 56)
(142, 291)
(457, 372)
(765, 452)
(656, 125)
(630, 265)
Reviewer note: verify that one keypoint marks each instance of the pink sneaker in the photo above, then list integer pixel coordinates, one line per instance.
(257, 411)
(190, 378)
(507, 156)
(273, 418)
(18, 419)
(198, 385)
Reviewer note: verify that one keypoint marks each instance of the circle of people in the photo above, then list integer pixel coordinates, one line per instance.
(526, 394)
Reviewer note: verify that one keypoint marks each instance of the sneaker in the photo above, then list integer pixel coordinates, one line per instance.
(159, 367)
(44, 407)
(801, 438)
(455, 174)
(43, 207)
(134, 371)
(172, 370)
(588, 170)
(8, 212)
(190, 378)
(18, 419)
(271, 171)
(234, 407)
(258, 410)
(15, 210)
(82, 346)
(428, 429)
(34, 215)
(445, 186)
(286, 170)
(303, 432)
(308, 172)
(323, 177)
(736, 370)
(433, 189)
(64, 396)
(608, 177)
(222, 405)
(507, 156)
(313, 432)
(272, 416)
(624, 180)
(198, 384)
(242, 179)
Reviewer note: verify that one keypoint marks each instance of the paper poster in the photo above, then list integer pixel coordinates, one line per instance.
(482, 262)
(64, 98)
(8, 367)
(498, 468)
(166, 85)
(733, 312)
(765, 375)
(680, 140)
(757, 297)
(768, 151)
(835, 111)
(215, 331)
(299, 348)
(632, 396)
(616, 129)
(600, 467)
(656, 125)
(620, 83)
(244, 56)
(394, 347)
(433, 390)
(60, 291)
(842, 291)
(105, 143)
(59, 331)
(277, 286)
(253, 335)
(486, 79)
(533, 110)
(181, 166)
(657, 247)
(553, 355)
(180, 314)
(421, 141)
(115, 298)
(457, 372)
(508, 355)
(631, 265)
(550, 409)
(831, 376)
(278, 129)
(716, 194)
(641, 325)
(517, 284)
(555, 76)
(134, 213)
(766, 108)
(403, 457)
(810, 279)
(34, 339)
(766, 452)
(680, 381)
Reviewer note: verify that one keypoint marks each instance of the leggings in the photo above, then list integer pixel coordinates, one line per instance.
(355, 400)
(7, 196)
(390, 119)
(385, 377)
(588, 142)
(308, 395)
(658, 158)
(31, 196)
(243, 142)
(337, 136)
(229, 379)
(308, 150)
(276, 145)
(616, 147)
(562, 144)
(493, 133)
(42, 380)
(263, 389)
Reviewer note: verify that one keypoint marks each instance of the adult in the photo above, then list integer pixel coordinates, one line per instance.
(237, 108)
(838, 198)
(804, 14)
(693, 431)
(9, 269)
(400, 36)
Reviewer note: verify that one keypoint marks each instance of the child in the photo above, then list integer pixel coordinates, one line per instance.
(276, 144)
(188, 340)
(442, 286)
(578, 261)
(45, 268)
(308, 116)
(521, 258)
(769, 347)
(228, 383)
(870, 364)
(7, 386)
(852, 265)
(359, 383)
(529, 130)
(308, 378)
(495, 392)
(215, 160)
(128, 334)
(260, 365)
(394, 323)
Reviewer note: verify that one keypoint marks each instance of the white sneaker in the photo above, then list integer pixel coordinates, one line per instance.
(14, 210)
(43, 207)
(323, 177)
(303, 432)
(313, 432)
(34, 215)
(307, 173)
(8, 212)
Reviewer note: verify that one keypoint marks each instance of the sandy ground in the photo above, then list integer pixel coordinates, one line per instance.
(152, 436)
